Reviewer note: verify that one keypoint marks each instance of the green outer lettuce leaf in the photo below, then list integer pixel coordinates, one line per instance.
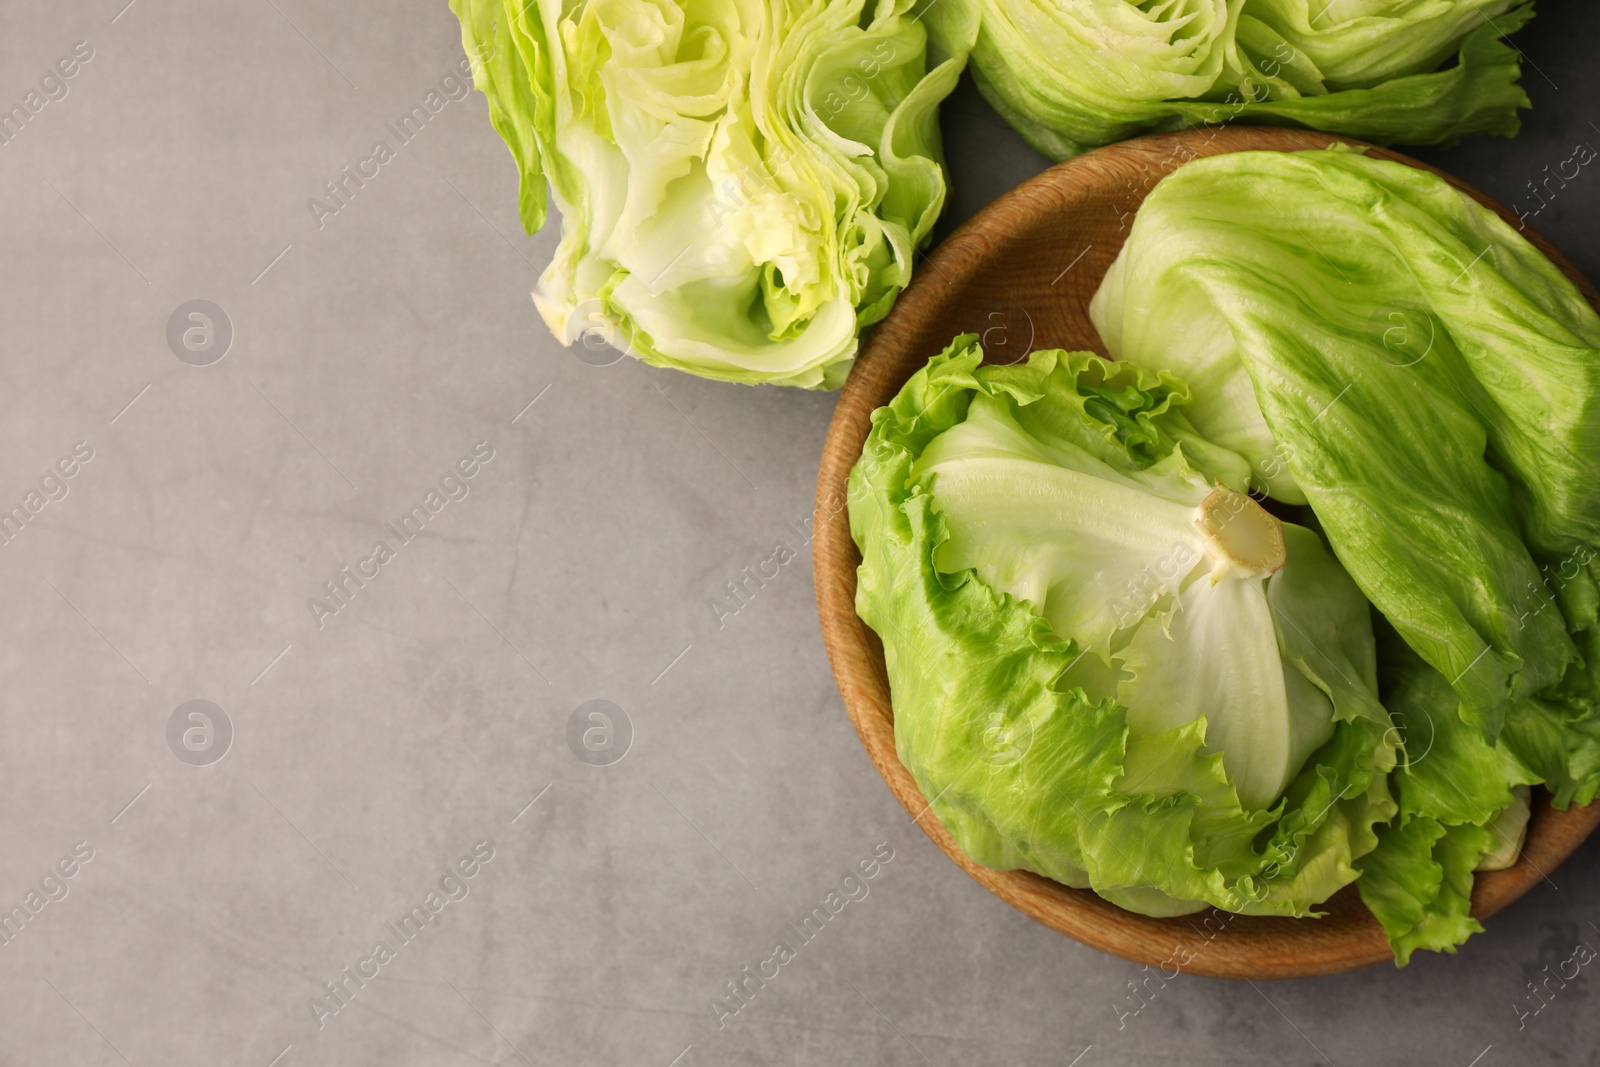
(1452, 788)
(1073, 76)
(1029, 772)
(742, 183)
(509, 57)
(1448, 771)
(1419, 884)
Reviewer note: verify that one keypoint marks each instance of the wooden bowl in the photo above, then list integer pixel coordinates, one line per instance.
(1021, 273)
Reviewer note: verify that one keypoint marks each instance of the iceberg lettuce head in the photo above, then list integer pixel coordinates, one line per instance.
(1074, 74)
(1109, 664)
(743, 184)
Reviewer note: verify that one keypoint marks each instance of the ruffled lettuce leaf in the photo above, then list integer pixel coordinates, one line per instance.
(1418, 883)
(1463, 806)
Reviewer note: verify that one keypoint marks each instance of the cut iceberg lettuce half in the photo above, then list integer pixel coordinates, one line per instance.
(1385, 349)
(1109, 665)
(742, 185)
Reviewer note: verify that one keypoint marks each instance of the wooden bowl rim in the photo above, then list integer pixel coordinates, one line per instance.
(1220, 945)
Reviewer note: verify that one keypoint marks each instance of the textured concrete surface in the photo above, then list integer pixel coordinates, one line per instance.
(425, 729)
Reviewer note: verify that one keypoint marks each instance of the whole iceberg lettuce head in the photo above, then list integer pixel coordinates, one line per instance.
(1109, 665)
(742, 184)
(1074, 74)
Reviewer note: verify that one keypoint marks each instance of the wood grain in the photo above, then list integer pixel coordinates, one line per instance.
(1021, 273)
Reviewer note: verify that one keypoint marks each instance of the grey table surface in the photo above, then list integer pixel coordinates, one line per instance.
(374, 748)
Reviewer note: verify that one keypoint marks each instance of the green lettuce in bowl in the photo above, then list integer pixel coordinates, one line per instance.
(1295, 593)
